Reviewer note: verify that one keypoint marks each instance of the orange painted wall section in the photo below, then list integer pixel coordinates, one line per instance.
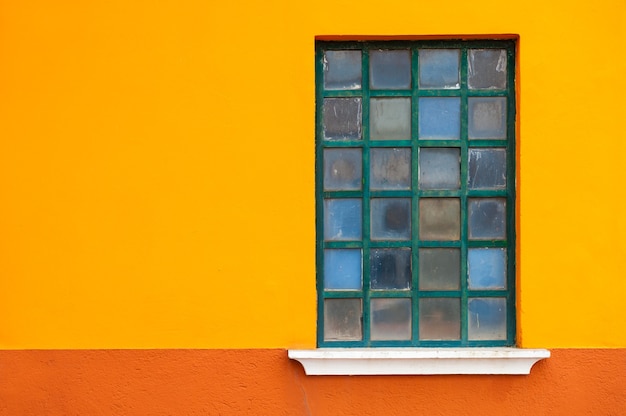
(266, 382)
(157, 168)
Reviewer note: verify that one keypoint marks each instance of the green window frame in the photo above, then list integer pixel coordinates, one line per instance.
(415, 193)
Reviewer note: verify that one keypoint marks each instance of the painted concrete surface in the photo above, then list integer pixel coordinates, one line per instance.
(266, 382)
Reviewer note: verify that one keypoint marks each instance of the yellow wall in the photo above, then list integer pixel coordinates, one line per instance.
(157, 167)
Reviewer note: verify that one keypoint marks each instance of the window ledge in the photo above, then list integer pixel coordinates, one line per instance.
(396, 361)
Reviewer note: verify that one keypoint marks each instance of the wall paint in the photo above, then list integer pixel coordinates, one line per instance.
(156, 167)
(266, 382)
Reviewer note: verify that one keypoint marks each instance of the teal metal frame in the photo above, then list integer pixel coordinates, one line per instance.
(365, 294)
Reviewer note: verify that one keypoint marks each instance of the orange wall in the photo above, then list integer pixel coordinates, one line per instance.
(265, 382)
(157, 173)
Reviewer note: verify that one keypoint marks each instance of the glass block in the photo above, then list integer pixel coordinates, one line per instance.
(390, 168)
(439, 269)
(486, 268)
(439, 219)
(486, 68)
(390, 118)
(439, 117)
(390, 319)
(390, 69)
(342, 118)
(390, 268)
(391, 218)
(487, 169)
(342, 320)
(487, 218)
(343, 219)
(439, 168)
(487, 118)
(439, 68)
(486, 319)
(342, 169)
(439, 318)
(343, 269)
(342, 70)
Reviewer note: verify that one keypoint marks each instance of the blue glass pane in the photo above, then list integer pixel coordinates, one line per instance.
(390, 69)
(487, 218)
(439, 118)
(342, 219)
(486, 319)
(390, 268)
(487, 169)
(342, 70)
(342, 269)
(487, 268)
(439, 68)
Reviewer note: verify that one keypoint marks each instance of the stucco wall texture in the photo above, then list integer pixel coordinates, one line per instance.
(266, 382)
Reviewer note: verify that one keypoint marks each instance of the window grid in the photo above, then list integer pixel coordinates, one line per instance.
(366, 244)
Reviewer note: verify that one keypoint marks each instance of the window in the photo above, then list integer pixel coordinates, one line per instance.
(415, 185)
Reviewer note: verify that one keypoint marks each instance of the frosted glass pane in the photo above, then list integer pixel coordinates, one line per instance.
(342, 118)
(390, 118)
(342, 219)
(439, 118)
(439, 269)
(487, 268)
(440, 318)
(390, 69)
(342, 320)
(486, 68)
(391, 319)
(342, 269)
(487, 218)
(439, 168)
(342, 169)
(390, 168)
(486, 319)
(342, 70)
(390, 268)
(439, 68)
(487, 169)
(439, 219)
(391, 218)
(487, 118)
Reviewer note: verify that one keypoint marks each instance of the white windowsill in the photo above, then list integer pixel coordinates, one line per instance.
(396, 361)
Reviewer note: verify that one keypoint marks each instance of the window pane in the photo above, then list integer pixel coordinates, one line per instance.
(439, 118)
(487, 118)
(342, 219)
(439, 269)
(391, 319)
(342, 118)
(439, 68)
(342, 320)
(342, 169)
(390, 168)
(487, 218)
(487, 319)
(487, 268)
(390, 268)
(390, 118)
(439, 168)
(486, 68)
(342, 70)
(342, 269)
(390, 69)
(440, 219)
(487, 169)
(391, 218)
(440, 318)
